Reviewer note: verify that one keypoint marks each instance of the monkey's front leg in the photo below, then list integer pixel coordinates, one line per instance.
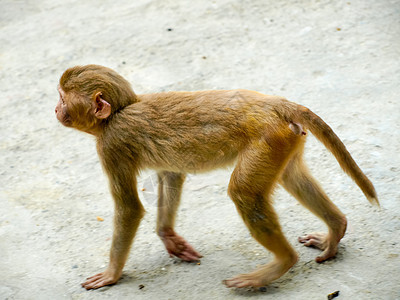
(128, 213)
(169, 193)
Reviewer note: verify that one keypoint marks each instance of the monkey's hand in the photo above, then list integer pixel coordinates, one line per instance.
(179, 247)
(100, 280)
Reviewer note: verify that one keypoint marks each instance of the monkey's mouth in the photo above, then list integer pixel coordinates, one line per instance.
(65, 120)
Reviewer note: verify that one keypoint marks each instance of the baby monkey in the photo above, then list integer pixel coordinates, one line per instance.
(176, 133)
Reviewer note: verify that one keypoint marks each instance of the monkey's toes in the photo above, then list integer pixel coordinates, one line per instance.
(317, 240)
(320, 241)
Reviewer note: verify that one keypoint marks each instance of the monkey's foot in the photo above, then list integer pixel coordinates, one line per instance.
(262, 276)
(321, 241)
(100, 280)
(328, 243)
(179, 247)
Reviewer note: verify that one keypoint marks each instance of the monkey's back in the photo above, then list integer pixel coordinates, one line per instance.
(194, 131)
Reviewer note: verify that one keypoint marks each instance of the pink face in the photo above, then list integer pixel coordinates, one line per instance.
(62, 110)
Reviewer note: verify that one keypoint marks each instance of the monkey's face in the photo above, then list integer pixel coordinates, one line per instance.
(62, 110)
(81, 111)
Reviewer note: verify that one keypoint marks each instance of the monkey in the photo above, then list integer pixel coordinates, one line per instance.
(176, 133)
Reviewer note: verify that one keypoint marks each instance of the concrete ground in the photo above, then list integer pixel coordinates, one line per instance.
(339, 58)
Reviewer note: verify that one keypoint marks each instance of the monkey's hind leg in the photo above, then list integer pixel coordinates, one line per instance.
(297, 180)
(250, 187)
(169, 194)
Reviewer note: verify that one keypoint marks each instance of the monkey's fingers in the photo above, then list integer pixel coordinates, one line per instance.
(179, 247)
(241, 281)
(94, 276)
(192, 250)
(91, 282)
(98, 281)
(189, 256)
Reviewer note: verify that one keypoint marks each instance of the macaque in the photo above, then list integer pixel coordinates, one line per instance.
(176, 133)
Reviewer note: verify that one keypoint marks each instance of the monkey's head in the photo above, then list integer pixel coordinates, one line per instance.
(90, 95)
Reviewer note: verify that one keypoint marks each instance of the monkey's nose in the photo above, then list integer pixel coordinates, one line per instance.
(56, 110)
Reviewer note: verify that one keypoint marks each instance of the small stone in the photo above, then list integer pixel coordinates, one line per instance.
(333, 295)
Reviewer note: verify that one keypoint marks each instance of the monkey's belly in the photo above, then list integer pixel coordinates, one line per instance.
(193, 162)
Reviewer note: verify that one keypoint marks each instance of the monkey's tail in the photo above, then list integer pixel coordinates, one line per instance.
(331, 141)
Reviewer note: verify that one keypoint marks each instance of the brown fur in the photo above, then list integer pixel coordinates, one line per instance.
(185, 132)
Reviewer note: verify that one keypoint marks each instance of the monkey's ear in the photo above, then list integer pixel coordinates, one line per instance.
(102, 107)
